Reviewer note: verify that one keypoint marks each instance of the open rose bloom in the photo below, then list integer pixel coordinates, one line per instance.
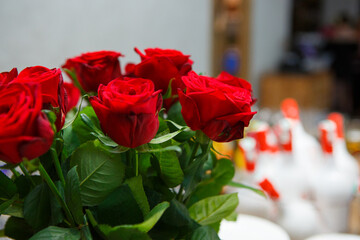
(128, 110)
(128, 161)
(25, 131)
(220, 107)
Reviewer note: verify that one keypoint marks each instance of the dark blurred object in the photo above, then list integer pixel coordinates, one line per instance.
(324, 37)
(307, 55)
(343, 44)
(306, 16)
(291, 62)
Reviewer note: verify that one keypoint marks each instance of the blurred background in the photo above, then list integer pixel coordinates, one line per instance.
(307, 50)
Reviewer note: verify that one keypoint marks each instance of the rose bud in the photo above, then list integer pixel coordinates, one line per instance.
(73, 95)
(221, 109)
(94, 68)
(52, 89)
(161, 66)
(128, 110)
(25, 132)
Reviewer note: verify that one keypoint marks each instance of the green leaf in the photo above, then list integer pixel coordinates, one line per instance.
(57, 215)
(174, 114)
(72, 74)
(213, 209)
(193, 174)
(7, 187)
(85, 233)
(221, 175)
(5, 205)
(136, 186)
(168, 136)
(81, 129)
(57, 233)
(240, 185)
(177, 215)
(37, 207)
(67, 124)
(127, 234)
(223, 172)
(18, 228)
(170, 169)
(51, 116)
(71, 140)
(178, 126)
(151, 219)
(72, 195)
(100, 172)
(90, 124)
(118, 208)
(232, 217)
(204, 233)
(24, 185)
(15, 210)
(168, 93)
(162, 149)
(105, 140)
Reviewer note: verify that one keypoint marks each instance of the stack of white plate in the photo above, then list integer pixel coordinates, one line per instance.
(251, 228)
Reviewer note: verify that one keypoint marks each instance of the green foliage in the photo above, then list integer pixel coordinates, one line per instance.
(174, 114)
(37, 207)
(220, 176)
(81, 129)
(73, 196)
(119, 208)
(137, 190)
(100, 172)
(169, 168)
(169, 188)
(18, 228)
(213, 209)
(7, 187)
(204, 233)
(57, 233)
(240, 185)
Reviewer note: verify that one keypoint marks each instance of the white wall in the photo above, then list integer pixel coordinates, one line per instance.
(271, 22)
(44, 32)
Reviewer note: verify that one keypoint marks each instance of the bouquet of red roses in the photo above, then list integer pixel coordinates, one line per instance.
(132, 160)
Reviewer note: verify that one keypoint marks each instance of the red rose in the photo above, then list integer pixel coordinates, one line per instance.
(73, 95)
(24, 129)
(162, 65)
(221, 109)
(128, 110)
(235, 81)
(6, 77)
(95, 68)
(52, 89)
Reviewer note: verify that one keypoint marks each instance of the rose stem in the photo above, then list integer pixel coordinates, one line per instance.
(193, 153)
(136, 163)
(16, 174)
(57, 166)
(56, 193)
(26, 173)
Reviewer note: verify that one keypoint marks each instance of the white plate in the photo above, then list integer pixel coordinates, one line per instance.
(335, 236)
(251, 228)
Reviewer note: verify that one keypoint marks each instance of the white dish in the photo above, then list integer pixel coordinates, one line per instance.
(335, 236)
(251, 228)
